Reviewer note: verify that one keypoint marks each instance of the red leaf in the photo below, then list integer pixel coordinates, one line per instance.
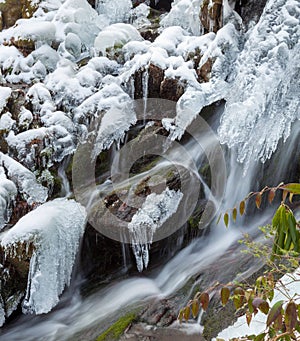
(272, 195)
(274, 312)
(258, 200)
(204, 300)
(290, 316)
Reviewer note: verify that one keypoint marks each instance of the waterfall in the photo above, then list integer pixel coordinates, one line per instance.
(249, 98)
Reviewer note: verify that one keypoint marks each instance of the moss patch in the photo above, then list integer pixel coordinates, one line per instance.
(117, 329)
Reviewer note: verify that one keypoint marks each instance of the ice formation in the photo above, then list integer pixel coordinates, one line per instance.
(264, 98)
(155, 211)
(184, 13)
(25, 180)
(8, 191)
(5, 93)
(55, 228)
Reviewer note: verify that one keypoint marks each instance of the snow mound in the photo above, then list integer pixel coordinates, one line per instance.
(8, 192)
(24, 180)
(114, 36)
(184, 13)
(5, 93)
(55, 228)
(155, 211)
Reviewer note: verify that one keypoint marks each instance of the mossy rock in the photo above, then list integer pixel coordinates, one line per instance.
(117, 329)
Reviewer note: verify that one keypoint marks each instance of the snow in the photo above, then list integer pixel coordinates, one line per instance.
(114, 36)
(55, 228)
(258, 323)
(8, 192)
(114, 11)
(265, 90)
(184, 13)
(5, 93)
(6, 122)
(2, 315)
(24, 180)
(155, 211)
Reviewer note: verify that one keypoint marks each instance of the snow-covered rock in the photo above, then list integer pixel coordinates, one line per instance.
(54, 229)
(114, 36)
(25, 180)
(8, 191)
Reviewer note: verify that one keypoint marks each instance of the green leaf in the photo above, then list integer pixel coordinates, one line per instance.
(292, 227)
(277, 216)
(274, 312)
(292, 188)
(238, 298)
(242, 207)
(234, 214)
(260, 337)
(187, 312)
(225, 293)
(204, 300)
(180, 315)
(195, 308)
(226, 219)
(290, 316)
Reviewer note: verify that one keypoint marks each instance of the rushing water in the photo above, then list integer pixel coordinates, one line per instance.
(258, 123)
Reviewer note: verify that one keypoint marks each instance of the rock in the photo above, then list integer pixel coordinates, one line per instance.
(211, 15)
(12, 10)
(204, 72)
(156, 76)
(250, 10)
(171, 89)
(144, 332)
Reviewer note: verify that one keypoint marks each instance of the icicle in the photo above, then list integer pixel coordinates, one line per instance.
(145, 83)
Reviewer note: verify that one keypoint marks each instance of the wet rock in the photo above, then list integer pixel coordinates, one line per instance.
(14, 268)
(156, 76)
(204, 72)
(171, 89)
(144, 332)
(12, 10)
(250, 10)
(211, 15)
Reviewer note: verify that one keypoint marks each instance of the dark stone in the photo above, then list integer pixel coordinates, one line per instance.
(250, 9)
(156, 76)
(161, 4)
(171, 89)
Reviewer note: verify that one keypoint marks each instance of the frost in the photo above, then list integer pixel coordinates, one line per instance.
(184, 13)
(115, 122)
(25, 180)
(114, 36)
(5, 93)
(156, 210)
(8, 192)
(114, 10)
(263, 101)
(2, 315)
(6, 122)
(55, 228)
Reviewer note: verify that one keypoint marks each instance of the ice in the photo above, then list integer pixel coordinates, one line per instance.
(2, 315)
(8, 192)
(184, 13)
(223, 49)
(266, 87)
(25, 180)
(114, 124)
(6, 122)
(55, 228)
(47, 56)
(155, 211)
(114, 10)
(34, 29)
(79, 18)
(5, 94)
(114, 36)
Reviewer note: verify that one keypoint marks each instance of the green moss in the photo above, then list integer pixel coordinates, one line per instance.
(117, 329)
